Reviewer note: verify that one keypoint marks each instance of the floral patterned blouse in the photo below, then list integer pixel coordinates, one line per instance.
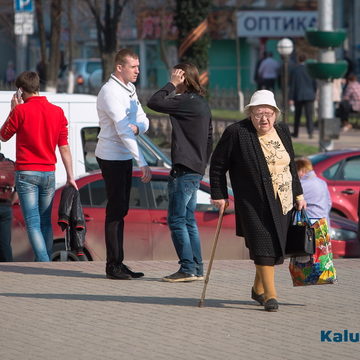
(278, 160)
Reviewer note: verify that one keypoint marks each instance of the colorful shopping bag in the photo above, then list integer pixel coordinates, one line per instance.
(319, 268)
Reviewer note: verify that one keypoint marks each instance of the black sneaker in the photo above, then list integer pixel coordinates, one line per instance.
(133, 274)
(179, 277)
(114, 272)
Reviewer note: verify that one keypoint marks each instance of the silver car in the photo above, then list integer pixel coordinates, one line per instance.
(83, 69)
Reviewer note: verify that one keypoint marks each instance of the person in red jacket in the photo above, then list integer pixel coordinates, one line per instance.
(39, 127)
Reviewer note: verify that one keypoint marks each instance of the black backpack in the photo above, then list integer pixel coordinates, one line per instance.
(7, 178)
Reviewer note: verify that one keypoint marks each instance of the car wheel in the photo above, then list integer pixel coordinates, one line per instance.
(59, 254)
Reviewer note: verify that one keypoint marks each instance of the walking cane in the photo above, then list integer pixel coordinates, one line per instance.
(217, 232)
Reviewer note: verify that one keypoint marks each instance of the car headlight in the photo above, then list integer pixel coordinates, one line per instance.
(341, 234)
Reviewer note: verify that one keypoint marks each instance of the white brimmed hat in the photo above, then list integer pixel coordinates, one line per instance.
(262, 97)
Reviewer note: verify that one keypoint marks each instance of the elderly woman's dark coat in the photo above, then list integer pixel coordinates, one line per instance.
(257, 213)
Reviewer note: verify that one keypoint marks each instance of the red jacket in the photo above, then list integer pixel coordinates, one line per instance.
(39, 126)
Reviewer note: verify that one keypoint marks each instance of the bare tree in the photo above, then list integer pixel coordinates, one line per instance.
(107, 24)
(48, 67)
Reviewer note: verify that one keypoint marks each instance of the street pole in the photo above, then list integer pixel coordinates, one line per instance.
(21, 53)
(326, 107)
(285, 47)
(285, 87)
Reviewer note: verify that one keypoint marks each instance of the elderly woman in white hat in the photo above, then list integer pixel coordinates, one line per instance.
(259, 156)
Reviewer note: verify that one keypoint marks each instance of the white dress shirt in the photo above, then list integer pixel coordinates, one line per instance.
(117, 107)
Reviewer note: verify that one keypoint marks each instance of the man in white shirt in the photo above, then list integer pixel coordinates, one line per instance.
(121, 118)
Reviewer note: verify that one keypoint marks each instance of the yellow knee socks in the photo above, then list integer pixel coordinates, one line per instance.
(267, 278)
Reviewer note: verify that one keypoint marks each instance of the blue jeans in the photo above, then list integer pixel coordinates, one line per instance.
(5, 232)
(36, 192)
(182, 223)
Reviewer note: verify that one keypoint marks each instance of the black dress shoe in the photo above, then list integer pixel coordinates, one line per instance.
(294, 135)
(271, 305)
(257, 297)
(114, 272)
(133, 274)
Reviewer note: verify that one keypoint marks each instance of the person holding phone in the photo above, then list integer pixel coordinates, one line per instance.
(39, 127)
(191, 145)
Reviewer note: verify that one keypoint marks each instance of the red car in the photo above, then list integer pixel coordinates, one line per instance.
(341, 171)
(147, 236)
(345, 241)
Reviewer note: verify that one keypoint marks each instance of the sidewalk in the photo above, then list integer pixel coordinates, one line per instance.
(70, 311)
(349, 139)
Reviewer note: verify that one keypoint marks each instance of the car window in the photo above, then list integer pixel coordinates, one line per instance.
(316, 158)
(153, 149)
(89, 141)
(351, 169)
(159, 190)
(150, 158)
(91, 66)
(94, 194)
(77, 67)
(159, 194)
(330, 172)
(204, 201)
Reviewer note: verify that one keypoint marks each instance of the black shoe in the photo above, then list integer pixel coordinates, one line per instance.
(133, 274)
(257, 297)
(179, 277)
(311, 136)
(271, 305)
(294, 135)
(114, 272)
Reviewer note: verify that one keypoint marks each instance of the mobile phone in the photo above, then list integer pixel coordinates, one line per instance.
(18, 94)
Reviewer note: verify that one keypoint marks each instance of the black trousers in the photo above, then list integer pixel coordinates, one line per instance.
(117, 175)
(344, 111)
(309, 112)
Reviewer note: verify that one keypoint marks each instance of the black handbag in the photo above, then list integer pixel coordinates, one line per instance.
(300, 239)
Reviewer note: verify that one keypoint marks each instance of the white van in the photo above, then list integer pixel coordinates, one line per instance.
(80, 110)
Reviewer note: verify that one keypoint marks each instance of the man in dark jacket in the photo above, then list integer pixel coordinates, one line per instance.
(302, 94)
(191, 146)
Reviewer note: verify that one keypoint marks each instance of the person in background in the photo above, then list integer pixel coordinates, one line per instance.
(40, 127)
(8, 197)
(350, 102)
(269, 72)
(257, 78)
(41, 70)
(302, 94)
(259, 156)
(191, 145)
(316, 192)
(121, 118)
(10, 74)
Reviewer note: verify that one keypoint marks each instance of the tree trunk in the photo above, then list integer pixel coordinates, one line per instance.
(41, 28)
(71, 78)
(107, 31)
(108, 64)
(54, 60)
